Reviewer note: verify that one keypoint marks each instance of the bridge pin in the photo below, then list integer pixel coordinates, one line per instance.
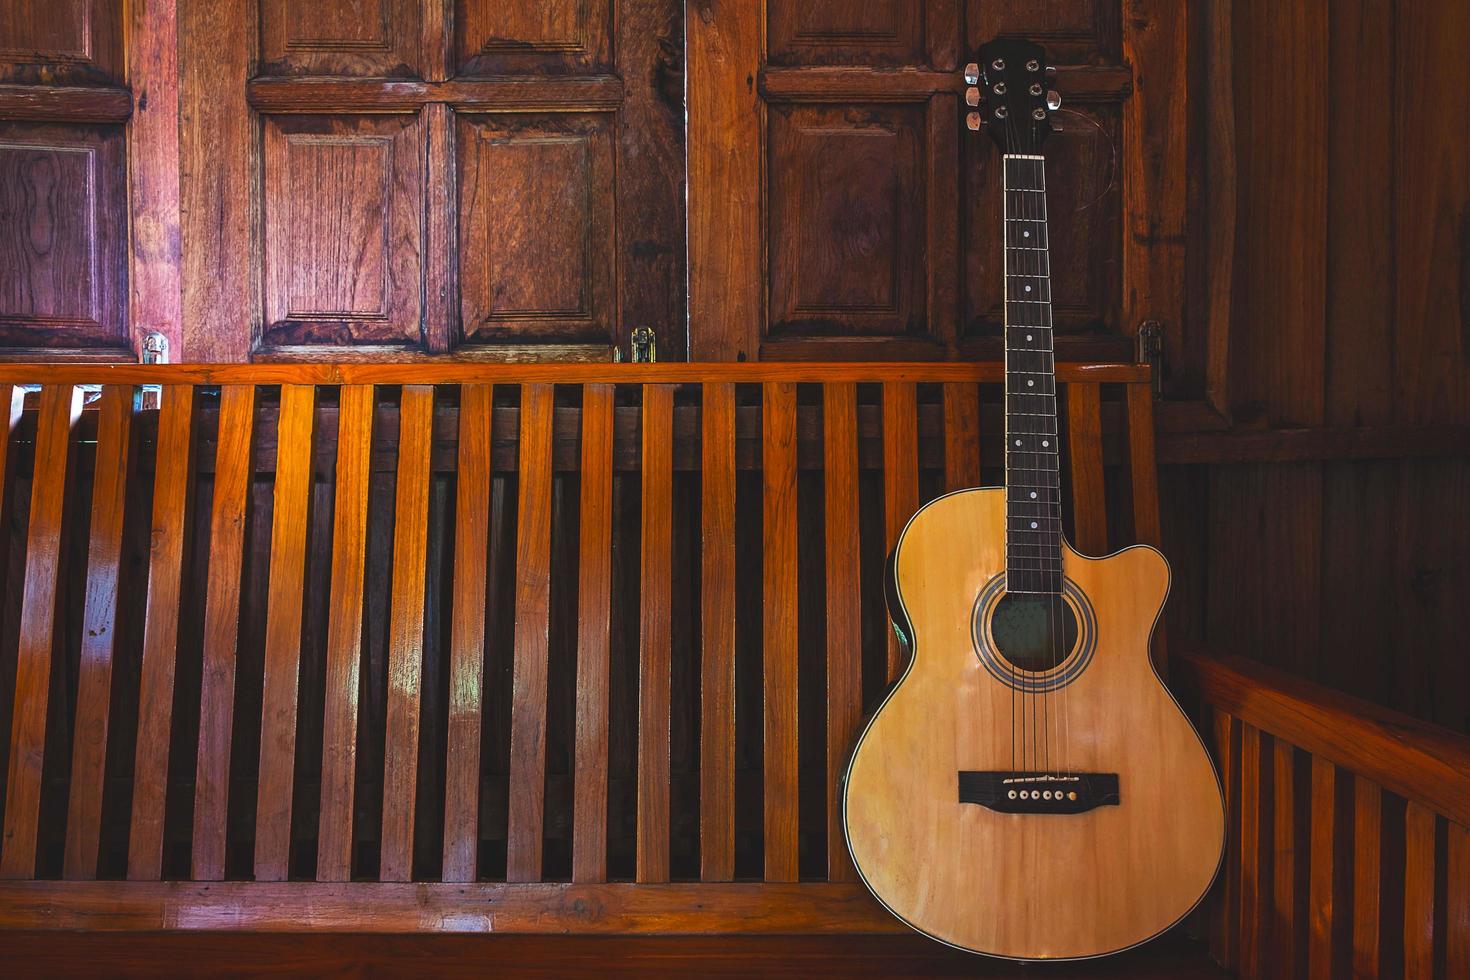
(1072, 795)
(1012, 794)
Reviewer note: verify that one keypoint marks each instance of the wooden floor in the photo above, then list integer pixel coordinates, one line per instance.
(230, 955)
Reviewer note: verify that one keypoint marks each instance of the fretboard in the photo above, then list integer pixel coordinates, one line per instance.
(1033, 491)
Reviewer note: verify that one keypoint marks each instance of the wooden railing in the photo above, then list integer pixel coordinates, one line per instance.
(1350, 826)
(523, 648)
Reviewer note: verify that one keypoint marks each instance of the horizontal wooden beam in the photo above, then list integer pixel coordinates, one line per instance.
(1306, 445)
(422, 907)
(486, 373)
(300, 95)
(65, 103)
(1419, 761)
(1085, 83)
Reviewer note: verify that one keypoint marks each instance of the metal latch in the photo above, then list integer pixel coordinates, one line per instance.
(1151, 351)
(644, 346)
(155, 349)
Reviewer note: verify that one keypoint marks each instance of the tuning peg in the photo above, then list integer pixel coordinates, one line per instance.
(1051, 71)
(972, 96)
(1053, 100)
(973, 121)
(972, 74)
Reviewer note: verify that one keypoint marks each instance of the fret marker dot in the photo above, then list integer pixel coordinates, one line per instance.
(1033, 523)
(1028, 289)
(1028, 336)
(1030, 384)
(1025, 234)
(1046, 442)
(1018, 442)
(1033, 494)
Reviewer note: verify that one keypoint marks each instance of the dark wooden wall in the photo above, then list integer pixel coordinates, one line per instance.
(1349, 314)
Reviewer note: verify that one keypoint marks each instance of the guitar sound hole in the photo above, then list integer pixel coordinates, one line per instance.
(1024, 628)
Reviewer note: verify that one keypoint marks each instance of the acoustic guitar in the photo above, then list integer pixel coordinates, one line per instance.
(1029, 789)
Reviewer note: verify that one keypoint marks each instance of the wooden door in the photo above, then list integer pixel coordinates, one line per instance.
(840, 209)
(473, 178)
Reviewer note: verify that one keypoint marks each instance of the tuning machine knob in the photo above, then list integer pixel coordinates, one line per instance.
(972, 74)
(972, 96)
(973, 121)
(1053, 100)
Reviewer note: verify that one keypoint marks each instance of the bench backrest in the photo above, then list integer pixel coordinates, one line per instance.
(448, 622)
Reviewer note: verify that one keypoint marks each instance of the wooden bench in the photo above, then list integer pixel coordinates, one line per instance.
(522, 649)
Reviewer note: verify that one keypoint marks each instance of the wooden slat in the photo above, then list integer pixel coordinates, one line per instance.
(1457, 902)
(1418, 892)
(1226, 914)
(1250, 940)
(289, 516)
(961, 436)
(173, 472)
(594, 612)
(688, 908)
(653, 635)
(1367, 855)
(717, 638)
(533, 596)
(1143, 481)
(99, 617)
(844, 602)
(1415, 759)
(1319, 885)
(232, 472)
(1084, 445)
(344, 631)
(60, 406)
(900, 480)
(467, 634)
(406, 632)
(778, 463)
(1282, 934)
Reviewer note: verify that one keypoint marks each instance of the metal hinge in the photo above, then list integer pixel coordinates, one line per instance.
(1151, 351)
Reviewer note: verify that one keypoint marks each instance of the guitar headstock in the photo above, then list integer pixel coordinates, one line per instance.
(1008, 94)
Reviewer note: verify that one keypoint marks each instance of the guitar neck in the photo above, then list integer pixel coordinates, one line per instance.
(1033, 490)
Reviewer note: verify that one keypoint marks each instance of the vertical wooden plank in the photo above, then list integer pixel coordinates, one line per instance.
(778, 464)
(1227, 910)
(1367, 854)
(726, 117)
(1282, 935)
(59, 409)
(406, 631)
(467, 634)
(99, 614)
(173, 473)
(1418, 892)
(1084, 445)
(1457, 898)
(844, 603)
(233, 461)
(355, 405)
(533, 595)
(654, 635)
(594, 619)
(440, 219)
(1250, 852)
(1319, 888)
(900, 479)
(961, 435)
(717, 641)
(1143, 480)
(289, 516)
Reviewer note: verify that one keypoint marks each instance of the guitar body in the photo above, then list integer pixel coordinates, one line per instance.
(1027, 885)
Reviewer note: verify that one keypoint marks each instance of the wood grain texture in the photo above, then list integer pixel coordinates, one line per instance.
(532, 612)
(717, 637)
(1282, 933)
(1367, 854)
(467, 639)
(594, 616)
(99, 621)
(779, 629)
(1324, 848)
(1085, 449)
(723, 43)
(1224, 926)
(172, 480)
(1252, 888)
(900, 480)
(947, 717)
(356, 405)
(961, 436)
(57, 414)
(1457, 898)
(233, 469)
(1419, 874)
(844, 597)
(290, 515)
(655, 578)
(406, 633)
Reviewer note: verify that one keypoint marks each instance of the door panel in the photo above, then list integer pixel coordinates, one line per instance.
(54, 42)
(340, 37)
(556, 36)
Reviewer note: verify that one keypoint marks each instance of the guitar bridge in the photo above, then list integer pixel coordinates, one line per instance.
(1039, 792)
